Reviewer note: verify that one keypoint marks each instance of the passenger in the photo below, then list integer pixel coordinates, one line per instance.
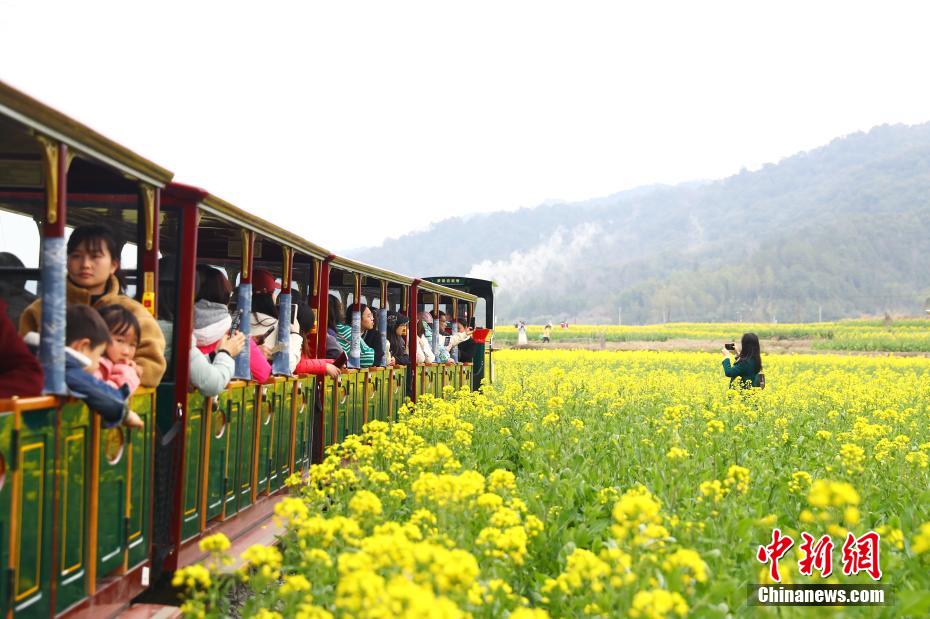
(13, 287)
(93, 279)
(264, 318)
(372, 337)
(309, 365)
(466, 348)
(167, 301)
(344, 334)
(745, 372)
(212, 320)
(334, 311)
(424, 345)
(116, 367)
(87, 336)
(456, 337)
(397, 338)
(211, 376)
(442, 352)
(20, 372)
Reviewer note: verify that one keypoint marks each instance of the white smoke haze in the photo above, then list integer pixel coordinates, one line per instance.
(525, 270)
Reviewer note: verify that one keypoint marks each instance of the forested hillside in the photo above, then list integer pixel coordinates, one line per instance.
(839, 231)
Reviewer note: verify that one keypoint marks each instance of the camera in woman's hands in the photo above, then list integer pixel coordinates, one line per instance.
(730, 346)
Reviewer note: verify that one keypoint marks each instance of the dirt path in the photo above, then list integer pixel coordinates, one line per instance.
(783, 347)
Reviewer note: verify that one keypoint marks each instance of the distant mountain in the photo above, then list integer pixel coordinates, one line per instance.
(839, 231)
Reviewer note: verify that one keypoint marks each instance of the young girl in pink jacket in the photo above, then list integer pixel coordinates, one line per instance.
(117, 367)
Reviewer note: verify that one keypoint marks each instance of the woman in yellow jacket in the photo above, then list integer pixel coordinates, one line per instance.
(93, 264)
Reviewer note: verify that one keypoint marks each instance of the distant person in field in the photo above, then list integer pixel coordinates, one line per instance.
(547, 332)
(521, 334)
(745, 370)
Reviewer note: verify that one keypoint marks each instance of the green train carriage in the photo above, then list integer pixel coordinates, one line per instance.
(112, 510)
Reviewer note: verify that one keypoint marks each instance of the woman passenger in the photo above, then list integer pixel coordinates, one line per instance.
(397, 338)
(212, 320)
(334, 311)
(371, 335)
(93, 279)
(424, 346)
(344, 334)
(264, 318)
(310, 365)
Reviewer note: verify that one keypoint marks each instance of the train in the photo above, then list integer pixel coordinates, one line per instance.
(92, 517)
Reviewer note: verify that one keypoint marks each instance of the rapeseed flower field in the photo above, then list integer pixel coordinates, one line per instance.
(905, 335)
(603, 484)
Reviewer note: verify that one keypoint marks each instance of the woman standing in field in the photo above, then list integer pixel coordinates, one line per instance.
(521, 334)
(748, 366)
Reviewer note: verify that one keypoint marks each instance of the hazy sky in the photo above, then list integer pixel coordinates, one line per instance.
(351, 121)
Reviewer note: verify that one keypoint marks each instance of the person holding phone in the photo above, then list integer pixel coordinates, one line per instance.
(264, 319)
(745, 371)
(213, 326)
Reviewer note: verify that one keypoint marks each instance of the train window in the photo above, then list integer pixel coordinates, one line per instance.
(303, 276)
(480, 312)
(169, 239)
(22, 202)
(19, 262)
(128, 264)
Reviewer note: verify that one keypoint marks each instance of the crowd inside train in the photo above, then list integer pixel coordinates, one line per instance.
(114, 345)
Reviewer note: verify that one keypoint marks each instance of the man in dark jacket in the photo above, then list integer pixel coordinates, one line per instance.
(20, 372)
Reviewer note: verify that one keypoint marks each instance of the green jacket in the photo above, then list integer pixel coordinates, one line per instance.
(745, 370)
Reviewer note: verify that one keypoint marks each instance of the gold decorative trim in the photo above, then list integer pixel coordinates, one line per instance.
(50, 154)
(286, 273)
(148, 208)
(22, 595)
(77, 435)
(246, 254)
(317, 267)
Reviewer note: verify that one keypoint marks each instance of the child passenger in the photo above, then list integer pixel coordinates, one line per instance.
(117, 367)
(87, 336)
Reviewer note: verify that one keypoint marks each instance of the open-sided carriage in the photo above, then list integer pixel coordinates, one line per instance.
(92, 516)
(482, 319)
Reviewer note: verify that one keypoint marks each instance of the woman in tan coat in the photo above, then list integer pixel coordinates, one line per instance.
(93, 264)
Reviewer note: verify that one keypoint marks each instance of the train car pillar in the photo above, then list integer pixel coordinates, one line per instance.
(244, 305)
(382, 326)
(314, 335)
(435, 330)
(355, 345)
(56, 160)
(148, 231)
(412, 339)
(322, 309)
(281, 362)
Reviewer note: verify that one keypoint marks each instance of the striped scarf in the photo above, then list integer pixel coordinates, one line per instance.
(344, 335)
